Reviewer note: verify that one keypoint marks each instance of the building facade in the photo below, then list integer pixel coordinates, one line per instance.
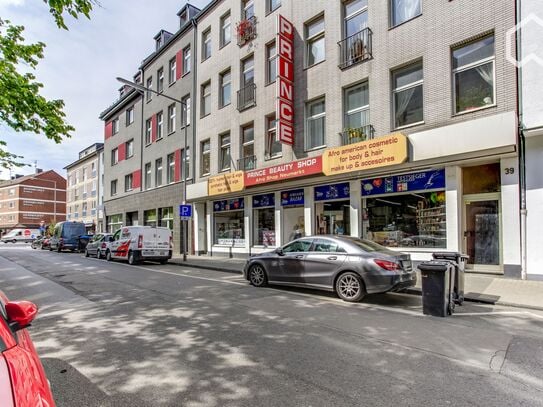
(530, 27)
(84, 188)
(386, 136)
(149, 138)
(32, 201)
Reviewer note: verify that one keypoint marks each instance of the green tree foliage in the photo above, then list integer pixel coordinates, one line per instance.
(22, 107)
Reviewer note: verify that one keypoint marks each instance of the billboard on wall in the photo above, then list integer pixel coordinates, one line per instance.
(285, 79)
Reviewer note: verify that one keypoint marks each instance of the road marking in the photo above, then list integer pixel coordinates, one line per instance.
(490, 313)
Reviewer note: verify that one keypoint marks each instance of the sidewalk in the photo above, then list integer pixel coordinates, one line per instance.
(478, 287)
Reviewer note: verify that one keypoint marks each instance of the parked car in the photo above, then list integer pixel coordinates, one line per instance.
(141, 243)
(98, 245)
(20, 235)
(36, 244)
(349, 266)
(83, 242)
(46, 243)
(66, 236)
(22, 379)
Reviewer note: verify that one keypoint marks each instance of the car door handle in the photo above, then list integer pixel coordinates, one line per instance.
(332, 258)
(299, 256)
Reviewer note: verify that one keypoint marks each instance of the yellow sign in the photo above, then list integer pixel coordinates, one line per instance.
(374, 153)
(226, 183)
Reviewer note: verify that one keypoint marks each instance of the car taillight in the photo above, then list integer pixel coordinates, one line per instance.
(387, 265)
(171, 242)
(140, 241)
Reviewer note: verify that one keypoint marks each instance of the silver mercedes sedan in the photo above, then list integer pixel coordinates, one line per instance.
(349, 266)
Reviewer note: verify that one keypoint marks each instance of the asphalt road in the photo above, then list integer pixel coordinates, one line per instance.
(111, 334)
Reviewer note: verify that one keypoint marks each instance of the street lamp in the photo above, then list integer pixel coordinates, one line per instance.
(142, 88)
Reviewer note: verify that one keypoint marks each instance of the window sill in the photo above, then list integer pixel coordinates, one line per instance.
(148, 144)
(464, 112)
(315, 148)
(404, 22)
(270, 83)
(271, 158)
(221, 107)
(315, 64)
(205, 175)
(185, 74)
(171, 84)
(224, 170)
(408, 126)
(130, 156)
(205, 115)
(170, 133)
(158, 139)
(205, 59)
(224, 45)
(148, 100)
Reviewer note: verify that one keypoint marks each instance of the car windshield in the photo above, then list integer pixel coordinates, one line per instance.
(74, 229)
(366, 245)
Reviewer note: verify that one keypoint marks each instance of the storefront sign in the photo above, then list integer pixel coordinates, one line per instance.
(329, 192)
(294, 197)
(284, 83)
(263, 201)
(301, 168)
(374, 153)
(418, 181)
(229, 205)
(225, 183)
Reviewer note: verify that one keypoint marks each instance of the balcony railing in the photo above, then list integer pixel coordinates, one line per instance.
(247, 163)
(355, 49)
(246, 30)
(247, 97)
(356, 135)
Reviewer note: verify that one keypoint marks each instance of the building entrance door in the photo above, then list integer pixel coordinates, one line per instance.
(482, 232)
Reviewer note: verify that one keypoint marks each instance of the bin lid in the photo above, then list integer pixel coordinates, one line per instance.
(435, 265)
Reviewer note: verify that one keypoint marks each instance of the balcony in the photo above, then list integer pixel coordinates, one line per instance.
(355, 49)
(247, 163)
(356, 135)
(247, 97)
(246, 30)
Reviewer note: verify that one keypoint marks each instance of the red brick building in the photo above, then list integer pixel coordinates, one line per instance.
(29, 200)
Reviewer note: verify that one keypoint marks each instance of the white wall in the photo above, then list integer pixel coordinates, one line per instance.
(534, 201)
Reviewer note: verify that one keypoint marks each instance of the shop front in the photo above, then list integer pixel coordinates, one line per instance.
(293, 225)
(229, 222)
(264, 220)
(332, 209)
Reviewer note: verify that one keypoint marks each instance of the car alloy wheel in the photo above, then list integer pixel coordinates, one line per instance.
(257, 275)
(98, 254)
(349, 287)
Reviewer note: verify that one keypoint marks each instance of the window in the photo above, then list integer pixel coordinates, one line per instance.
(205, 150)
(115, 222)
(165, 216)
(114, 187)
(226, 32)
(149, 94)
(159, 125)
(247, 71)
(114, 156)
(130, 115)
(84, 174)
(272, 5)
(271, 62)
(128, 183)
(264, 220)
(206, 44)
(315, 124)
(186, 163)
(229, 228)
(407, 95)
(115, 126)
(186, 60)
(404, 10)
(171, 118)
(148, 131)
(248, 9)
(273, 146)
(172, 71)
(225, 81)
(185, 119)
(160, 80)
(170, 163)
(224, 155)
(356, 16)
(148, 176)
(129, 146)
(149, 218)
(206, 99)
(248, 148)
(158, 172)
(356, 107)
(314, 40)
(473, 75)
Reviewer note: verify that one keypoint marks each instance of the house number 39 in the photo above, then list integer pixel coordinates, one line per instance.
(509, 171)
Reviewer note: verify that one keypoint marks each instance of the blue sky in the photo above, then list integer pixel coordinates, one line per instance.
(80, 66)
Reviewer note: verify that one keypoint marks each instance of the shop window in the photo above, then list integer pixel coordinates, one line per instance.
(408, 96)
(264, 220)
(481, 179)
(150, 218)
(166, 217)
(407, 220)
(114, 222)
(473, 75)
(333, 218)
(229, 228)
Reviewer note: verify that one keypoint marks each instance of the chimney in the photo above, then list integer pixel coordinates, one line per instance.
(39, 170)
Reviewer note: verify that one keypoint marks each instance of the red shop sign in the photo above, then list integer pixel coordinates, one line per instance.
(281, 172)
(285, 88)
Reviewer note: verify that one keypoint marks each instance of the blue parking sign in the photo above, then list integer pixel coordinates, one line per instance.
(185, 211)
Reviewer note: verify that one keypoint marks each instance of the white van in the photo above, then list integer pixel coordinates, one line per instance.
(140, 243)
(20, 235)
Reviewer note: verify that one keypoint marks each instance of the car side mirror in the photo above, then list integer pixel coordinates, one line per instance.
(110, 239)
(21, 314)
(279, 251)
